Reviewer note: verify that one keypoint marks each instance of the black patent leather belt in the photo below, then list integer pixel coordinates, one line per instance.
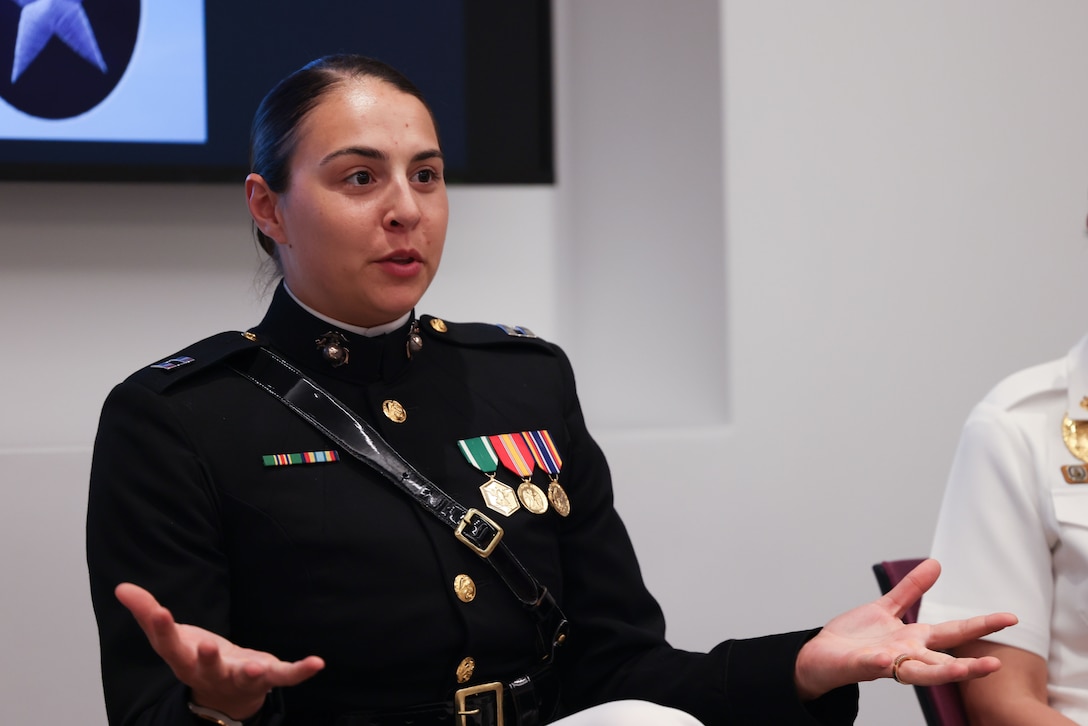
(526, 701)
(470, 526)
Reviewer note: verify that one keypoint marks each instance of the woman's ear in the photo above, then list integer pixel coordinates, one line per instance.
(264, 208)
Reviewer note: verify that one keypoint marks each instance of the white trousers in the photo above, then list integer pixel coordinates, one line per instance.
(629, 713)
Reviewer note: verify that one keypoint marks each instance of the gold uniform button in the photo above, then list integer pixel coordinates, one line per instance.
(465, 588)
(394, 411)
(465, 669)
(439, 325)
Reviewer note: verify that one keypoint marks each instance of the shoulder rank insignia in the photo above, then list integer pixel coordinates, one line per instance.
(518, 331)
(171, 363)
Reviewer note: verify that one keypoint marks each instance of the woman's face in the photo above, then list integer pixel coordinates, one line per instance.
(362, 223)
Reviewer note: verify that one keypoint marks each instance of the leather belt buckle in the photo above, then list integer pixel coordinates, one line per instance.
(460, 702)
(482, 550)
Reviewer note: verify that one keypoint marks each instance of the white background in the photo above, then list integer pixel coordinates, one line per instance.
(791, 244)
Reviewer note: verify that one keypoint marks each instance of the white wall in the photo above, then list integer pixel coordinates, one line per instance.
(791, 244)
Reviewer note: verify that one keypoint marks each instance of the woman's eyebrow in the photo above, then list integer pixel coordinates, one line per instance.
(369, 152)
(364, 151)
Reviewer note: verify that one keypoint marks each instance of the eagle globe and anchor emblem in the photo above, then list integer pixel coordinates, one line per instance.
(66, 56)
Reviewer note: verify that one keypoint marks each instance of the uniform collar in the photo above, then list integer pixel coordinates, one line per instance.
(293, 330)
(358, 330)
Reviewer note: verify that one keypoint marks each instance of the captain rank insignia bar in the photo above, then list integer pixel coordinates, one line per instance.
(497, 496)
(516, 456)
(171, 363)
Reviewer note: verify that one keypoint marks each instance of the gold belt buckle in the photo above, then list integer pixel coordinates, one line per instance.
(460, 697)
(466, 520)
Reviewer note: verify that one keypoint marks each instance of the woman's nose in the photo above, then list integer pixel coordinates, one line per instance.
(403, 210)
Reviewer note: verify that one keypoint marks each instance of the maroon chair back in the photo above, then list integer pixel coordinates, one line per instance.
(941, 705)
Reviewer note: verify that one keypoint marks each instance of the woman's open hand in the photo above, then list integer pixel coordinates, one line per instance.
(220, 674)
(863, 644)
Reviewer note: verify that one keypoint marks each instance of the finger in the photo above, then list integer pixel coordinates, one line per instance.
(139, 601)
(209, 663)
(908, 590)
(252, 676)
(944, 636)
(879, 663)
(264, 675)
(155, 620)
(916, 672)
(283, 674)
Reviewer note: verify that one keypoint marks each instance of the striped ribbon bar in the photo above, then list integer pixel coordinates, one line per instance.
(303, 457)
(514, 453)
(479, 453)
(544, 452)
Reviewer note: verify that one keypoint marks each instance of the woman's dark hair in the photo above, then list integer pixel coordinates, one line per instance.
(275, 125)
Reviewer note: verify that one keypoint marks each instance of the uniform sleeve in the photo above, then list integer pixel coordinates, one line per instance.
(152, 519)
(617, 647)
(991, 539)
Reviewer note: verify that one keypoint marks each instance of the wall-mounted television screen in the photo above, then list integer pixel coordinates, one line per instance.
(157, 90)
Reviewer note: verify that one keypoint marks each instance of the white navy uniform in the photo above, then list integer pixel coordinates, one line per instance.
(1013, 529)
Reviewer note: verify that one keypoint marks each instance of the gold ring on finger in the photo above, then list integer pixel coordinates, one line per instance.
(895, 667)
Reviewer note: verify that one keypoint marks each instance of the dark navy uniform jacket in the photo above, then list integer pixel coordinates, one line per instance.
(330, 559)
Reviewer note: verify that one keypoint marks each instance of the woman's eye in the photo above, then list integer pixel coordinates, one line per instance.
(361, 178)
(426, 176)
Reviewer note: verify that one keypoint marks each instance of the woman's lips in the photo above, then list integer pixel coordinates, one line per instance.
(402, 264)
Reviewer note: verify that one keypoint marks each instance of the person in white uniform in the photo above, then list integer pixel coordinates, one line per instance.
(1013, 535)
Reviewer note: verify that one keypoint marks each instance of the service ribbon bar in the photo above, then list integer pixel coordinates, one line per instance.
(303, 457)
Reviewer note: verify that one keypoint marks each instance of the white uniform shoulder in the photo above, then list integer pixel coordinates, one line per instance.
(1045, 379)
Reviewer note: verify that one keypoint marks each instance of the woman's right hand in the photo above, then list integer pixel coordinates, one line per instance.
(220, 674)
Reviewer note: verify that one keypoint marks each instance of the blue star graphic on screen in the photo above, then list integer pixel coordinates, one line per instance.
(40, 20)
(67, 56)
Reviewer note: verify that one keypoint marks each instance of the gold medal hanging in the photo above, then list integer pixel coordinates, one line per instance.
(547, 457)
(498, 497)
(515, 455)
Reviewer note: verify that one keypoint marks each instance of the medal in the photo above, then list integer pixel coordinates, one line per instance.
(1075, 430)
(1075, 434)
(497, 496)
(515, 455)
(547, 457)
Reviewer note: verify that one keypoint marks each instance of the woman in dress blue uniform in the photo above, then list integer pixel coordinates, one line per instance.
(249, 565)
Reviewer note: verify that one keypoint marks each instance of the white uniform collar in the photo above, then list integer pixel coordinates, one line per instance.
(365, 332)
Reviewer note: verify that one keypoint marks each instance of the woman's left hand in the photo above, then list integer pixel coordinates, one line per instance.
(863, 644)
